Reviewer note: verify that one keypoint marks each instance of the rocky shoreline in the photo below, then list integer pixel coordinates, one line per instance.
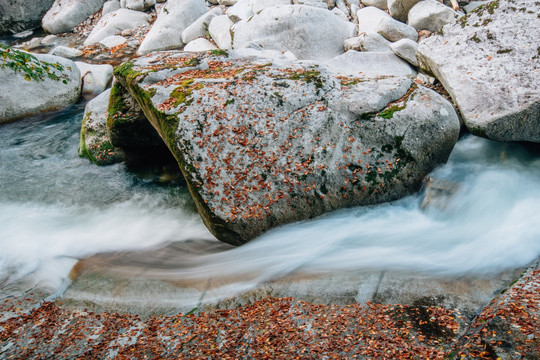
(279, 111)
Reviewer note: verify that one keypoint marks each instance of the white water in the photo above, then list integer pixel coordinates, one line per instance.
(55, 208)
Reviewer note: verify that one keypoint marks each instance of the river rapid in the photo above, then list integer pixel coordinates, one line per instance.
(56, 208)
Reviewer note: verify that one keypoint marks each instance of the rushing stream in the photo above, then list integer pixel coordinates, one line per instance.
(56, 208)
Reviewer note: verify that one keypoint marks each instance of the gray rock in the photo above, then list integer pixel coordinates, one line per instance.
(20, 98)
(116, 22)
(368, 41)
(138, 5)
(19, 15)
(110, 6)
(340, 4)
(406, 49)
(431, 15)
(66, 52)
(95, 78)
(94, 141)
(175, 17)
(220, 30)
(308, 32)
(49, 40)
(381, 4)
(340, 14)
(64, 15)
(112, 41)
(489, 64)
(243, 9)
(199, 45)
(399, 9)
(227, 2)
(369, 17)
(281, 142)
(200, 26)
(394, 30)
(370, 64)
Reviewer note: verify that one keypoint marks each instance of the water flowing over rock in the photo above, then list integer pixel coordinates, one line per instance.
(489, 63)
(308, 32)
(19, 15)
(20, 97)
(262, 143)
(64, 15)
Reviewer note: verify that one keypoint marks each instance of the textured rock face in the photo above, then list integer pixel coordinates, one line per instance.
(175, 17)
(431, 15)
(115, 22)
(64, 15)
(489, 63)
(20, 98)
(262, 144)
(19, 15)
(308, 32)
(95, 143)
(399, 9)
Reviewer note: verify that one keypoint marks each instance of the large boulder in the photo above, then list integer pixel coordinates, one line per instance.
(489, 63)
(399, 9)
(64, 15)
(173, 19)
(26, 94)
(431, 15)
(19, 15)
(262, 143)
(95, 78)
(308, 32)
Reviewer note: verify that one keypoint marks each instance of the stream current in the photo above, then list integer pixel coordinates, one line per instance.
(56, 208)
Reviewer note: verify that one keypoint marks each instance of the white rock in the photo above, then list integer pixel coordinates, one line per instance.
(431, 15)
(49, 40)
(110, 6)
(227, 2)
(340, 4)
(395, 30)
(369, 17)
(95, 78)
(354, 13)
(20, 98)
(138, 5)
(381, 4)
(175, 17)
(66, 52)
(399, 9)
(368, 41)
(112, 41)
(406, 49)
(243, 9)
(116, 22)
(370, 64)
(220, 30)
(425, 79)
(64, 15)
(199, 45)
(308, 32)
(340, 14)
(316, 3)
(199, 27)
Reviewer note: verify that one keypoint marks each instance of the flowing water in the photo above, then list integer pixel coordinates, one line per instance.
(56, 208)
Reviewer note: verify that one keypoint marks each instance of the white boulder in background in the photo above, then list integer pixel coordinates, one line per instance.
(115, 22)
(110, 6)
(394, 30)
(431, 15)
(175, 17)
(64, 15)
(399, 9)
(199, 45)
(406, 49)
(220, 31)
(308, 32)
(381, 4)
(370, 64)
(66, 52)
(138, 5)
(95, 78)
(200, 26)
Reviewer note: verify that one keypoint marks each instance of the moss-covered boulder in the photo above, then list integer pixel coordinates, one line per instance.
(95, 143)
(262, 143)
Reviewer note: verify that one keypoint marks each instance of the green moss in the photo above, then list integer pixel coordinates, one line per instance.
(504, 51)
(475, 38)
(389, 111)
(219, 52)
(309, 76)
(182, 93)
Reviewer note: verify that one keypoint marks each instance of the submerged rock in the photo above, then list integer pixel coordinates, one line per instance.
(262, 143)
(21, 95)
(489, 63)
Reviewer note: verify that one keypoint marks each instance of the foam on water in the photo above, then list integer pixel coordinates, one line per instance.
(56, 207)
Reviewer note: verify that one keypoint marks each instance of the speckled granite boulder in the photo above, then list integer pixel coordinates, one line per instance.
(489, 62)
(266, 142)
